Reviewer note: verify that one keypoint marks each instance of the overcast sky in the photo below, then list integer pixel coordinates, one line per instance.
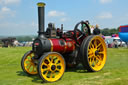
(19, 17)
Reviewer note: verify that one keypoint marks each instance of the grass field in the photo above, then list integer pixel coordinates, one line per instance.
(115, 71)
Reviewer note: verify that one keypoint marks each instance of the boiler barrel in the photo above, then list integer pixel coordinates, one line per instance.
(41, 46)
(62, 46)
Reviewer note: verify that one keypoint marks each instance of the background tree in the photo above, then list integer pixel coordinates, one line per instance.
(109, 32)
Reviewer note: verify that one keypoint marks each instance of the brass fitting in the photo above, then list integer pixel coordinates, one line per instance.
(40, 4)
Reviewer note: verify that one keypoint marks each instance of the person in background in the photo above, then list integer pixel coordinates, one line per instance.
(115, 43)
(87, 22)
(83, 27)
(58, 31)
(92, 28)
(96, 31)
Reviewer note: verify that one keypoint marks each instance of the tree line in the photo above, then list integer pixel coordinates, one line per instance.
(25, 38)
(109, 32)
(20, 38)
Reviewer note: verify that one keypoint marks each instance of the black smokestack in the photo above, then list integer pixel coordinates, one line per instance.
(41, 17)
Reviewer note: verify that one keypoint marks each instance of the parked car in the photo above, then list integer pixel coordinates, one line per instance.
(110, 44)
(119, 41)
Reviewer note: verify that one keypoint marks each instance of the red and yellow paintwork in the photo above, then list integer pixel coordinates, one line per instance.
(69, 45)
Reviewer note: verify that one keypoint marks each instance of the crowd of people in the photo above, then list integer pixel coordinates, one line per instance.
(93, 29)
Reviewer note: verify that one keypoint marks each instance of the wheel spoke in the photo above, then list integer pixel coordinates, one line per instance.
(89, 52)
(59, 64)
(99, 44)
(45, 64)
(46, 73)
(99, 48)
(54, 74)
(57, 69)
(91, 61)
(98, 60)
(94, 61)
(99, 57)
(99, 63)
(56, 62)
(43, 70)
(52, 59)
(95, 43)
(92, 46)
(33, 69)
(101, 52)
(48, 59)
(28, 60)
(29, 66)
(90, 56)
(51, 75)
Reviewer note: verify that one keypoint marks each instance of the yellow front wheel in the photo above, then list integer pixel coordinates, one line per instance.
(51, 67)
(28, 63)
(93, 53)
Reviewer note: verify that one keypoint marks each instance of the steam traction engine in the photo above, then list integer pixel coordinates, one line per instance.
(54, 49)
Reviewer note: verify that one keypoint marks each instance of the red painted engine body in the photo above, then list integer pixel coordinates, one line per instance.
(62, 46)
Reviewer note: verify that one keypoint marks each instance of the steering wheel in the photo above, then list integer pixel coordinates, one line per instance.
(78, 34)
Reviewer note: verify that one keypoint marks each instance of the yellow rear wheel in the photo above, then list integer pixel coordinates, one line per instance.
(94, 53)
(28, 63)
(51, 67)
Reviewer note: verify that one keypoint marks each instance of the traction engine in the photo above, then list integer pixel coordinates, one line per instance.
(54, 50)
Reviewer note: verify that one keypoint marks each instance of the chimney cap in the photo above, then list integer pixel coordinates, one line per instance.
(40, 4)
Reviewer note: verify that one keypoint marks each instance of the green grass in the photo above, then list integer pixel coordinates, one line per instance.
(115, 71)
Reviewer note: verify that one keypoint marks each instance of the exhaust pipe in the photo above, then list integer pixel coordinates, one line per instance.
(41, 18)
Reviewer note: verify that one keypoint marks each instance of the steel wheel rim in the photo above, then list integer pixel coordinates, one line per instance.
(52, 67)
(97, 53)
(29, 65)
